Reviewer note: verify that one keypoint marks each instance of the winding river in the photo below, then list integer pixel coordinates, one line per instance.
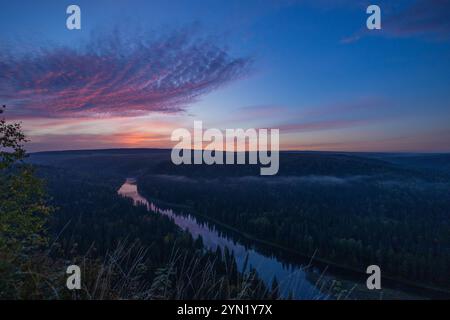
(291, 278)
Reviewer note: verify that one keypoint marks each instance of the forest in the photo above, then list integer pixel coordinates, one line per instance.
(348, 209)
(386, 214)
(167, 263)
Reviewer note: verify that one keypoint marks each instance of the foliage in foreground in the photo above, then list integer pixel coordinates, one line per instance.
(23, 213)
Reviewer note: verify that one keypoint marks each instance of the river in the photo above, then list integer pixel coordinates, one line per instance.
(291, 278)
(298, 278)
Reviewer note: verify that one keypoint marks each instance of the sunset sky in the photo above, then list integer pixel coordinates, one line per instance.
(137, 70)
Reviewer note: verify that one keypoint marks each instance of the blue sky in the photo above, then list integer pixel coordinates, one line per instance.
(310, 68)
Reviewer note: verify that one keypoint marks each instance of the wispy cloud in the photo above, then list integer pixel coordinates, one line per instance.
(337, 115)
(116, 76)
(321, 125)
(75, 133)
(428, 19)
(423, 18)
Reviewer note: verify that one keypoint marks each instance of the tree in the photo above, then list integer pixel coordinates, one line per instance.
(23, 211)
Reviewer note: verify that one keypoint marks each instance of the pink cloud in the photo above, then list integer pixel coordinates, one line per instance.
(114, 76)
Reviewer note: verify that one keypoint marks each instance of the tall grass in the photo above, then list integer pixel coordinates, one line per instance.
(124, 274)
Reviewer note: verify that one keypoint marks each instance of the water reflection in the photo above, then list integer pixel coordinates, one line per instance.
(291, 278)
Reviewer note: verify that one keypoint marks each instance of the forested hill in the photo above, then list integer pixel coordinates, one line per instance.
(351, 209)
(138, 161)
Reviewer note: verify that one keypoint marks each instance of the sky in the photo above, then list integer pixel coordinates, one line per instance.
(137, 70)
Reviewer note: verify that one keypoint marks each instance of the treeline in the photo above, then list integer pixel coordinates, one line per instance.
(402, 225)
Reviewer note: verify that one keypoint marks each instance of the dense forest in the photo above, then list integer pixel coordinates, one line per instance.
(348, 209)
(352, 216)
(92, 220)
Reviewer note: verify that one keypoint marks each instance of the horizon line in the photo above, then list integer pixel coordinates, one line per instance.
(247, 151)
